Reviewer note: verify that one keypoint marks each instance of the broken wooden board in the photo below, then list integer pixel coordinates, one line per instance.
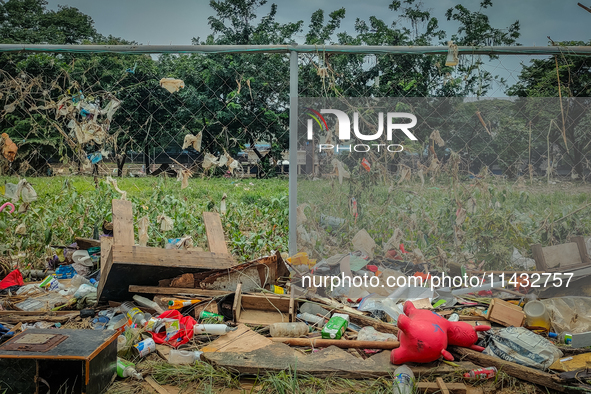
(512, 369)
(144, 266)
(176, 290)
(87, 243)
(216, 240)
(261, 309)
(453, 388)
(14, 317)
(253, 275)
(243, 339)
(122, 222)
(246, 352)
(569, 256)
(571, 363)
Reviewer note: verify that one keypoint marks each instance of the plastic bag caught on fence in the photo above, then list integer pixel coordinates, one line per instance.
(142, 226)
(166, 223)
(521, 346)
(113, 182)
(22, 190)
(194, 141)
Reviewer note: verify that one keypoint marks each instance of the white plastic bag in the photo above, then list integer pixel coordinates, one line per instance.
(521, 346)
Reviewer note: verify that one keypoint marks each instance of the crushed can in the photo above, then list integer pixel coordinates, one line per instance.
(210, 315)
(145, 347)
(481, 373)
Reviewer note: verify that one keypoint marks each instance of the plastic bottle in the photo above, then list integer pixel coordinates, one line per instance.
(143, 301)
(125, 369)
(183, 356)
(214, 329)
(481, 373)
(310, 318)
(134, 313)
(178, 304)
(403, 380)
(565, 338)
(79, 280)
(288, 330)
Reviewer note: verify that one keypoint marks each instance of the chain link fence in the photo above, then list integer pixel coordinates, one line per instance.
(73, 111)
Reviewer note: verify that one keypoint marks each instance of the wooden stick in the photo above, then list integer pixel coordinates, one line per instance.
(442, 386)
(314, 342)
(511, 369)
(583, 7)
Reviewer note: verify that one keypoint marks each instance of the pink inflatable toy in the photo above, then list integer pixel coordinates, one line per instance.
(424, 336)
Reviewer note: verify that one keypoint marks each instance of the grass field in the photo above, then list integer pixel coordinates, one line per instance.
(499, 215)
(478, 219)
(256, 220)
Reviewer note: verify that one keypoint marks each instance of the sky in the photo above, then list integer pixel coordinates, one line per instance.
(176, 22)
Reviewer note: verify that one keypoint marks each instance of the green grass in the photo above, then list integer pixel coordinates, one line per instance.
(505, 215)
(255, 223)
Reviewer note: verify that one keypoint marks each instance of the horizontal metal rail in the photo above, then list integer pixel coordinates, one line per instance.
(343, 49)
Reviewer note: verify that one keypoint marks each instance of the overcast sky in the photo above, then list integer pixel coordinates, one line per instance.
(178, 21)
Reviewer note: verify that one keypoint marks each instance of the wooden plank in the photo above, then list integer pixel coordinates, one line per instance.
(343, 344)
(512, 369)
(241, 340)
(106, 244)
(265, 303)
(562, 255)
(538, 256)
(143, 256)
(87, 243)
(442, 386)
(505, 313)
(216, 240)
(580, 241)
(15, 317)
(122, 222)
(236, 306)
(143, 266)
(176, 290)
(433, 387)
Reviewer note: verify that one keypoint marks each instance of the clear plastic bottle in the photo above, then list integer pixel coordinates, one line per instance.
(288, 330)
(134, 313)
(126, 369)
(79, 280)
(214, 329)
(143, 301)
(403, 380)
(310, 318)
(313, 309)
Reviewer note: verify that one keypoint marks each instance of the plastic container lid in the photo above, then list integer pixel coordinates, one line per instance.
(534, 309)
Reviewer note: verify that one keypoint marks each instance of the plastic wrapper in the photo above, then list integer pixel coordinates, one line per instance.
(370, 334)
(142, 226)
(374, 302)
(569, 314)
(521, 346)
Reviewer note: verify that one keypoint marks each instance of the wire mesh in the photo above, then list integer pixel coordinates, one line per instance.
(227, 114)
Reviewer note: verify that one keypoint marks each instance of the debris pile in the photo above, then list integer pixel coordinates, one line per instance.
(393, 319)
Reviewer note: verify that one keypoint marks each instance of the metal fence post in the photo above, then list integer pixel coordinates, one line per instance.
(293, 150)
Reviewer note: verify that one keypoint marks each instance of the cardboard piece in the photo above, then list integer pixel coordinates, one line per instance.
(506, 314)
(571, 363)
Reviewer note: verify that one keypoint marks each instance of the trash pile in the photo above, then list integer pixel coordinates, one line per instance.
(187, 306)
